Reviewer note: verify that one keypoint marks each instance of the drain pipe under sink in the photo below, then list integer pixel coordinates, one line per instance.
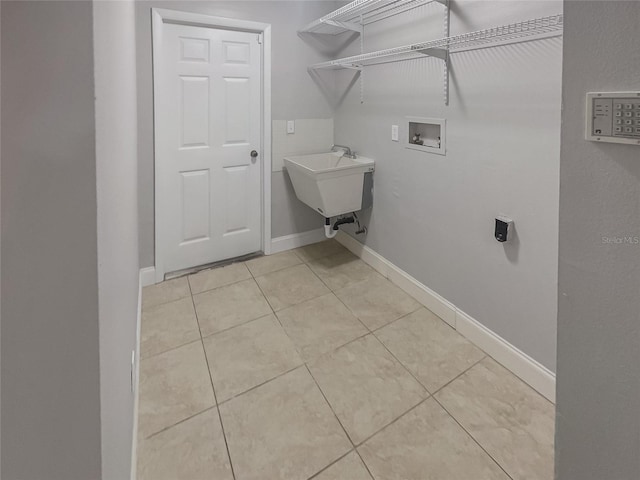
(332, 232)
(327, 229)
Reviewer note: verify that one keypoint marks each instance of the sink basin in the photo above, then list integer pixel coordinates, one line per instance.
(330, 183)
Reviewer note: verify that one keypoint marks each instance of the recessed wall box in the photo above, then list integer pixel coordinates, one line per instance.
(613, 117)
(504, 226)
(426, 135)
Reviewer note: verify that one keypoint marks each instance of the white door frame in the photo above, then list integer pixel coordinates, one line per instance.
(160, 16)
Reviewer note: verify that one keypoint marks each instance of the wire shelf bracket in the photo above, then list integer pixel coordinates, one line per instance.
(346, 26)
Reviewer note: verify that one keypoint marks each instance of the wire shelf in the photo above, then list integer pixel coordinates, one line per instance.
(355, 15)
(542, 27)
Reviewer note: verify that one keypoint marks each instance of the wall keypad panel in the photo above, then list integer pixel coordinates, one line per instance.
(613, 117)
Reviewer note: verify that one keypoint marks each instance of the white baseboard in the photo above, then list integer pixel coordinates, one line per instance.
(148, 276)
(529, 370)
(295, 240)
(427, 297)
(136, 380)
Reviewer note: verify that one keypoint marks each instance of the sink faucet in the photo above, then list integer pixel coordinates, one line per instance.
(347, 151)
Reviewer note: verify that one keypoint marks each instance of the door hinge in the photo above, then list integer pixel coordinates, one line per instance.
(260, 39)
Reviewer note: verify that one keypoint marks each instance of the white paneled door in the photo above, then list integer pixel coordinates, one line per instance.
(207, 88)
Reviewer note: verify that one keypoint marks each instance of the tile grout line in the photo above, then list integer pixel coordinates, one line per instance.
(219, 286)
(374, 330)
(284, 330)
(429, 394)
(339, 299)
(373, 434)
(323, 469)
(273, 311)
(458, 376)
(330, 407)
(277, 269)
(371, 330)
(147, 307)
(260, 384)
(243, 263)
(171, 349)
(191, 294)
(473, 438)
(413, 407)
(203, 336)
(417, 379)
(213, 388)
(245, 322)
(304, 363)
(433, 395)
(364, 463)
(405, 316)
(392, 422)
(360, 337)
(179, 422)
(402, 364)
(331, 292)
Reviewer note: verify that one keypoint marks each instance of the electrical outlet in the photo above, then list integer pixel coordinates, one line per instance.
(291, 126)
(394, 133)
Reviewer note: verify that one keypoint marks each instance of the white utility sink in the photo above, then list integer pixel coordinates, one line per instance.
(330, 183)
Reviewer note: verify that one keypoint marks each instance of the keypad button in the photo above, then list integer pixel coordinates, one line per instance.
(628, 130)
(618, 114)
(618, 121)
(637, 130)
(618, 106)
(628, 106)
(628, 114)
(618, 129)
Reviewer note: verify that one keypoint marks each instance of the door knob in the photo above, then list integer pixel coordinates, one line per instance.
(254, 154)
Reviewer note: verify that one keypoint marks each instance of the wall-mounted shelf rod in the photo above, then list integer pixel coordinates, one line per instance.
(355, 15)
(529, 29)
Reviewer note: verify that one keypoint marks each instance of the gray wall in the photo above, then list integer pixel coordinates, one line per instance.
(294, 95)
(117, 190)
(433, 216)
(598, 395)
(0, 240)
(50, 362)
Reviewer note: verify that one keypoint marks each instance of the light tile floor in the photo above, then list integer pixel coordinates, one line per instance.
(309, 364)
